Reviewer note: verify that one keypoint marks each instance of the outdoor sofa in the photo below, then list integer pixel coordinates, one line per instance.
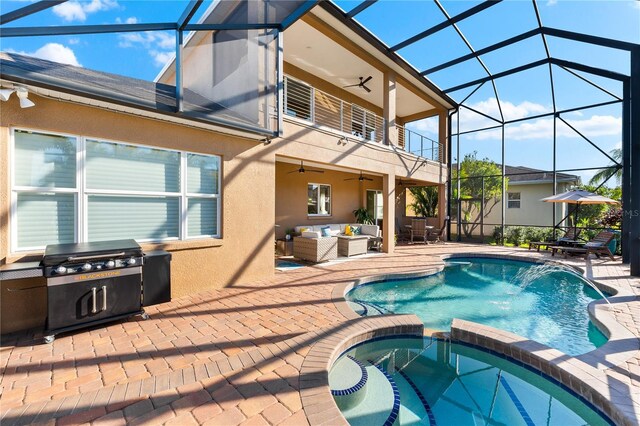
(311, 245)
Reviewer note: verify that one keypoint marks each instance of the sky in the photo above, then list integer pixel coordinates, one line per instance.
(142, 55)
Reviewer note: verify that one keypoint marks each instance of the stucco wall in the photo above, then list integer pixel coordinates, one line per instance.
(532, 211)
(245, 251)
(291, 196)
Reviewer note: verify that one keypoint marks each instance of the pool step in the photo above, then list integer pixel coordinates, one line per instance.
(366, 309)
(347, 380)
(376, 402)
(368, 395)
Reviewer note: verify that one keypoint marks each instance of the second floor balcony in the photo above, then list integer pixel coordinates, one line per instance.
(316, 107)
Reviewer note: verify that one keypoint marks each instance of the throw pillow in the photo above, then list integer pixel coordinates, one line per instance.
(326, 231)
(357, 230)
(347, 230)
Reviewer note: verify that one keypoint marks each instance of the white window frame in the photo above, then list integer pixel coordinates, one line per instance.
(82, 193)
(519, 200)
(375, 203)
(312, 101)
(330, 200)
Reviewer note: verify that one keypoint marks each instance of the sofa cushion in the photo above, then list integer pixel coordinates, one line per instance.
(371, 230)
(311, 234)
(301, 228)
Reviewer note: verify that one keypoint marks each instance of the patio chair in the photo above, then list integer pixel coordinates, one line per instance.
(571, 235)
(402, 232)
(438, 234)
(419, 229)
(599, 245)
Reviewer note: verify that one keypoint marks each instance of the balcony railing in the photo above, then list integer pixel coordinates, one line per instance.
(307, 103)
(419, 145)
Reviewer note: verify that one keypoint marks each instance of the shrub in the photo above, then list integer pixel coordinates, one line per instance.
(514, 235)
(496, 236)
(612, 218)
(532, 234)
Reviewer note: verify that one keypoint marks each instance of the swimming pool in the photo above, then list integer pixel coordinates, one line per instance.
(411, 381)
(545, 303)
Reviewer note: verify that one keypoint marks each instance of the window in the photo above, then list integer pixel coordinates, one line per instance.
(374, 205)
(513, 200)
(69, 189)
(319, 200)
(363, 123)
(298, 99)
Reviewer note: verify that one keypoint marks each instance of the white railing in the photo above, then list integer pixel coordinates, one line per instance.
(310, 104)
(307, 103)
(419, 145)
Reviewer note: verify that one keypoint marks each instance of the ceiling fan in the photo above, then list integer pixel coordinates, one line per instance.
(362, 83)
(406, 183)
(303, 170)
(360, 178)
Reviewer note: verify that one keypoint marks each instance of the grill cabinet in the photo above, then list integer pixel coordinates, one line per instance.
(91, 283)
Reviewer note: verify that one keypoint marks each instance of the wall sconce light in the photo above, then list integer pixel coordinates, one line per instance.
(21, 92)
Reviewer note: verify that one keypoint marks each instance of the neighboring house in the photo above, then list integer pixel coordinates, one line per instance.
(526, 187)
(102, 156)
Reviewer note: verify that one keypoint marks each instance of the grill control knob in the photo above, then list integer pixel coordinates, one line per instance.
(110, 264)
(131, 261)
(61, 270)
(86, 267)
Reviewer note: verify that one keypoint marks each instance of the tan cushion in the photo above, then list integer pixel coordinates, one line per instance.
(311, 234)
(371, 230)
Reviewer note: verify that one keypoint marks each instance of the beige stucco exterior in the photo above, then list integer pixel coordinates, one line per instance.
(532, 211)
(291, 196)
(257, 193)
(245, 251)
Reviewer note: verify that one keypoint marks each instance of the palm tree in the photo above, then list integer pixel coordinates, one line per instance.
(605, 174)
(425, 200)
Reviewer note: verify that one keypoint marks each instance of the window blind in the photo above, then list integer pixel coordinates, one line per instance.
(141, 218)
(126, 167)
(44, 161)
(45, 218)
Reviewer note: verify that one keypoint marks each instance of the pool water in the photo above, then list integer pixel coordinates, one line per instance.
(545, 303)
(412, 381)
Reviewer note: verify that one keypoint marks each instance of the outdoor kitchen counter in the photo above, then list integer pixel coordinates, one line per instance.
(18, 270)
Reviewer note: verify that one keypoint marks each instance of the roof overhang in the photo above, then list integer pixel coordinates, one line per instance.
(333, 16)
(124, 106)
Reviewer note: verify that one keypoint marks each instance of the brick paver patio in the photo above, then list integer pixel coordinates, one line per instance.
(225, 357)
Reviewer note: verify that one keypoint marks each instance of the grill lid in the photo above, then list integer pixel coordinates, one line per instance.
(57, 253)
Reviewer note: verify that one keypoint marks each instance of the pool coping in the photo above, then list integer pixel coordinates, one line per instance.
(583, 374)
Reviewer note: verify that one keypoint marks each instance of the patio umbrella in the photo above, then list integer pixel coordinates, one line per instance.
(578, 197)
